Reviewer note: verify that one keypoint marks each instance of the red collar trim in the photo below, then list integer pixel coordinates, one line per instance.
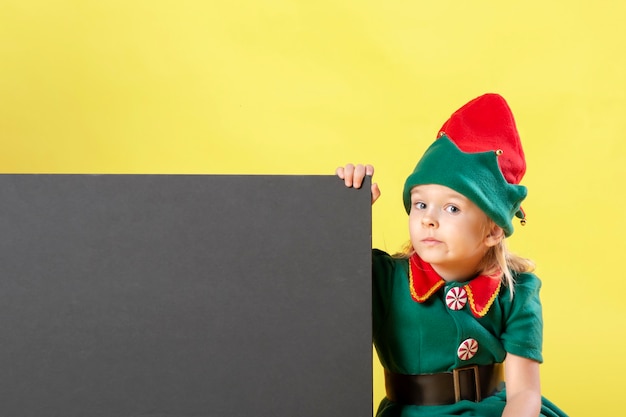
(482, 292)
(424, 282)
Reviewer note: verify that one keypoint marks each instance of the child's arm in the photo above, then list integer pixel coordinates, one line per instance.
(523, 388)
(353, 177)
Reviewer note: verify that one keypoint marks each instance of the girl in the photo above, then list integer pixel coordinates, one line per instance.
(456, 303)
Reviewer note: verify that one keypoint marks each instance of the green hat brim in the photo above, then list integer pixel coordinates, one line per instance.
(477, 176)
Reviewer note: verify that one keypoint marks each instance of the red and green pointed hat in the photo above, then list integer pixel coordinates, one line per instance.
(479, 154)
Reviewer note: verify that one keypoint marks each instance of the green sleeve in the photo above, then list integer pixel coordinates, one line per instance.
(523, 333)
(382, 284)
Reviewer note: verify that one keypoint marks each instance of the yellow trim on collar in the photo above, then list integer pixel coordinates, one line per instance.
(472, 297)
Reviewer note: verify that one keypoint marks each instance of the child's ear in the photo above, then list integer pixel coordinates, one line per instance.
(495, 235)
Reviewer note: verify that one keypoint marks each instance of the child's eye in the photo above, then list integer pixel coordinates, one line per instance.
(452, 209)
(419, 205)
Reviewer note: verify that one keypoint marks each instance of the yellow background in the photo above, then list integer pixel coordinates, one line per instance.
(300, 87)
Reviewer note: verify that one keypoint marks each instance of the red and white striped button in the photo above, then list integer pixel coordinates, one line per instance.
(467, 349)
(456, 298)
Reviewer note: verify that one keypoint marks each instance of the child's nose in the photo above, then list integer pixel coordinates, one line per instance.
(429, 219)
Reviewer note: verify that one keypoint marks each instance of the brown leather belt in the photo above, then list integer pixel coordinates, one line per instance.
(468, 383)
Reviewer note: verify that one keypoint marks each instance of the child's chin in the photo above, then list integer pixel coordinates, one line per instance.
(428, 254)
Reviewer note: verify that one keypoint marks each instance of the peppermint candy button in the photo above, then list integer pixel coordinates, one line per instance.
(456, 298)
(467, 349)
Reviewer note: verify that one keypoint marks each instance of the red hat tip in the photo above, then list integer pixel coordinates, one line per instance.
(484, 124)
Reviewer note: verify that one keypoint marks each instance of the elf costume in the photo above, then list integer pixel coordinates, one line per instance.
(443, 344)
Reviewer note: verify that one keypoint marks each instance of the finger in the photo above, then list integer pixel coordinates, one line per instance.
(348, 174)
(359, 174)
(375, 192)
(340, 172)
(369, 170)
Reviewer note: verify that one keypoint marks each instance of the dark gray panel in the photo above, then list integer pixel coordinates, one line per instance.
(184, 296)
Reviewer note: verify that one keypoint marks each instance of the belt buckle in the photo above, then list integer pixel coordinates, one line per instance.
(457, 384)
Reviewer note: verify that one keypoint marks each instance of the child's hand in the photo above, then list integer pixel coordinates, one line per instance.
(353, 177)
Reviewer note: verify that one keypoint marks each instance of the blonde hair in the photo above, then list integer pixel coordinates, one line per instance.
(497, 259)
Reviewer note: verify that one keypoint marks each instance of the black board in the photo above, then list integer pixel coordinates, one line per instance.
(184, 296)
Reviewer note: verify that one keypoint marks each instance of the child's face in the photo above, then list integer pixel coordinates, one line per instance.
(449, 231)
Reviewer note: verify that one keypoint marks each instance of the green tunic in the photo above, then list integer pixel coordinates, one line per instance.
(429, 336)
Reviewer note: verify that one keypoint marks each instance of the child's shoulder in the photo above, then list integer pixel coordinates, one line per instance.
(379, 256)
(526, 290)
(386, 265)
(527, 281)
